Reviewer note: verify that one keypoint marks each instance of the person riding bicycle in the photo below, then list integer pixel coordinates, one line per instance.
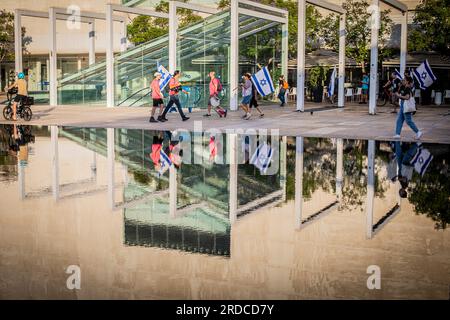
(22, 92)
(391, 87)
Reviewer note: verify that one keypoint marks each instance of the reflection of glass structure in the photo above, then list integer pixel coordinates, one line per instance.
(193, 208)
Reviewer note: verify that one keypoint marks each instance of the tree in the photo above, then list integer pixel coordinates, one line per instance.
(431, 29)
(7, 36)
(358, 31)
(145, 28)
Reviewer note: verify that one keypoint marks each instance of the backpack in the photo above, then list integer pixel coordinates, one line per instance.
(285, 85)
(219, 85)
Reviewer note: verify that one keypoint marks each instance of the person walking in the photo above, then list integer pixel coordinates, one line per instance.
(406, 112)
(254, 101)
(246, 95)
(175, 88)
(22, 92)
(215, 87)
(283, 85)
(157, 97)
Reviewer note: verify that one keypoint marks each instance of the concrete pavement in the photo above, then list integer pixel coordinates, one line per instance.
(352, 122)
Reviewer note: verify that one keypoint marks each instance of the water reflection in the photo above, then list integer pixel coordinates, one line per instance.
(211, 202)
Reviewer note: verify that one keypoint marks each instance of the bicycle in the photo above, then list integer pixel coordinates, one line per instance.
(23, 107)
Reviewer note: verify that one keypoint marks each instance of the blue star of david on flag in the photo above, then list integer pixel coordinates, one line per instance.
(424, 75)
(263, 82)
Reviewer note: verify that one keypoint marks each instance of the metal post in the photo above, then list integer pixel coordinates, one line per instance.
(370, 188)
(21, 179)
(18, 41)
(123, 39)
(110, 136)
(173, 191)
(298, 181)
(342, 32)
(403, 42)
(91, 43)
(375, 26)
(233, 154)
(53, 59)
(55, 161)
(109, 56)
(283, 166)
(339, 168)
(285, 48)
(173, 35)
(234, 55)
(301, 55)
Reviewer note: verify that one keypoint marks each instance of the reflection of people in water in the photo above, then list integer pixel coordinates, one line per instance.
(410, 157)
(161, 156)
(20, 136)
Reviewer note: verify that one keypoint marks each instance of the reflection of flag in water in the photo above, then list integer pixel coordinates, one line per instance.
(263, 82)
(421, 160)
(398, 75)
(166, 76)
(165, 163)
(262, 157)
(424, 75)
(332, 81)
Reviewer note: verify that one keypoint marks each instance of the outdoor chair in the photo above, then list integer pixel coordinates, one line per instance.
(293, 94)
(349, 94)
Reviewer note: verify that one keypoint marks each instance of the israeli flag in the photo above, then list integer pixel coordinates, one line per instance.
(398, 75)
(262, 157)
(421, 161)
(165, 163)
(332, 81)
(166, 76)
(263, 82)
(424, 75)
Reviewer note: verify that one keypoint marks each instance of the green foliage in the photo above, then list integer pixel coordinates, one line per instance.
(7, 36)
(432, 27)
(316, 76)
(144, 28)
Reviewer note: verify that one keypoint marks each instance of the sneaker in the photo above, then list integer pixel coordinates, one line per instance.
(419, 135)
(244, 116)
(397, 136)
(261, 115)
(161, 119)
(248, 116)
(207, 115)
(185, 118)
(152, 120)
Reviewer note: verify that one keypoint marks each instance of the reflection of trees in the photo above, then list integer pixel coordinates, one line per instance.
(430, 194)
(320, 170)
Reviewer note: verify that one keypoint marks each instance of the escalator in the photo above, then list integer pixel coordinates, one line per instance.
(202, 47)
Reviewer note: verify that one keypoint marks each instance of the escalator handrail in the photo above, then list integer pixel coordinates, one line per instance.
(148, 93)
(139, 91)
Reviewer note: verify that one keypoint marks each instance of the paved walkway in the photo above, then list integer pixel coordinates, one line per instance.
(351, 122)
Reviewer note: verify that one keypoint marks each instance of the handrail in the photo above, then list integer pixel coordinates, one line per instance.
(140, 90)
(148, 93)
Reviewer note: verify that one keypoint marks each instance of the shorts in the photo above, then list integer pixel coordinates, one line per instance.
(157, 102)
(365, 91)
(19, 98)
(246, 100)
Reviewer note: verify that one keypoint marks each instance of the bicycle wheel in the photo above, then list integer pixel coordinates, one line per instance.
(27, 114)
(382, 100)
(7, 113)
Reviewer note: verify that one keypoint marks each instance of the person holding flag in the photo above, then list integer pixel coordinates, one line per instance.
(157, 98)
(246, 95)
(407, 109)
(175, 88)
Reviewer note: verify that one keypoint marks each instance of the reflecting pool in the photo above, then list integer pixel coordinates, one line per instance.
(150, 214)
